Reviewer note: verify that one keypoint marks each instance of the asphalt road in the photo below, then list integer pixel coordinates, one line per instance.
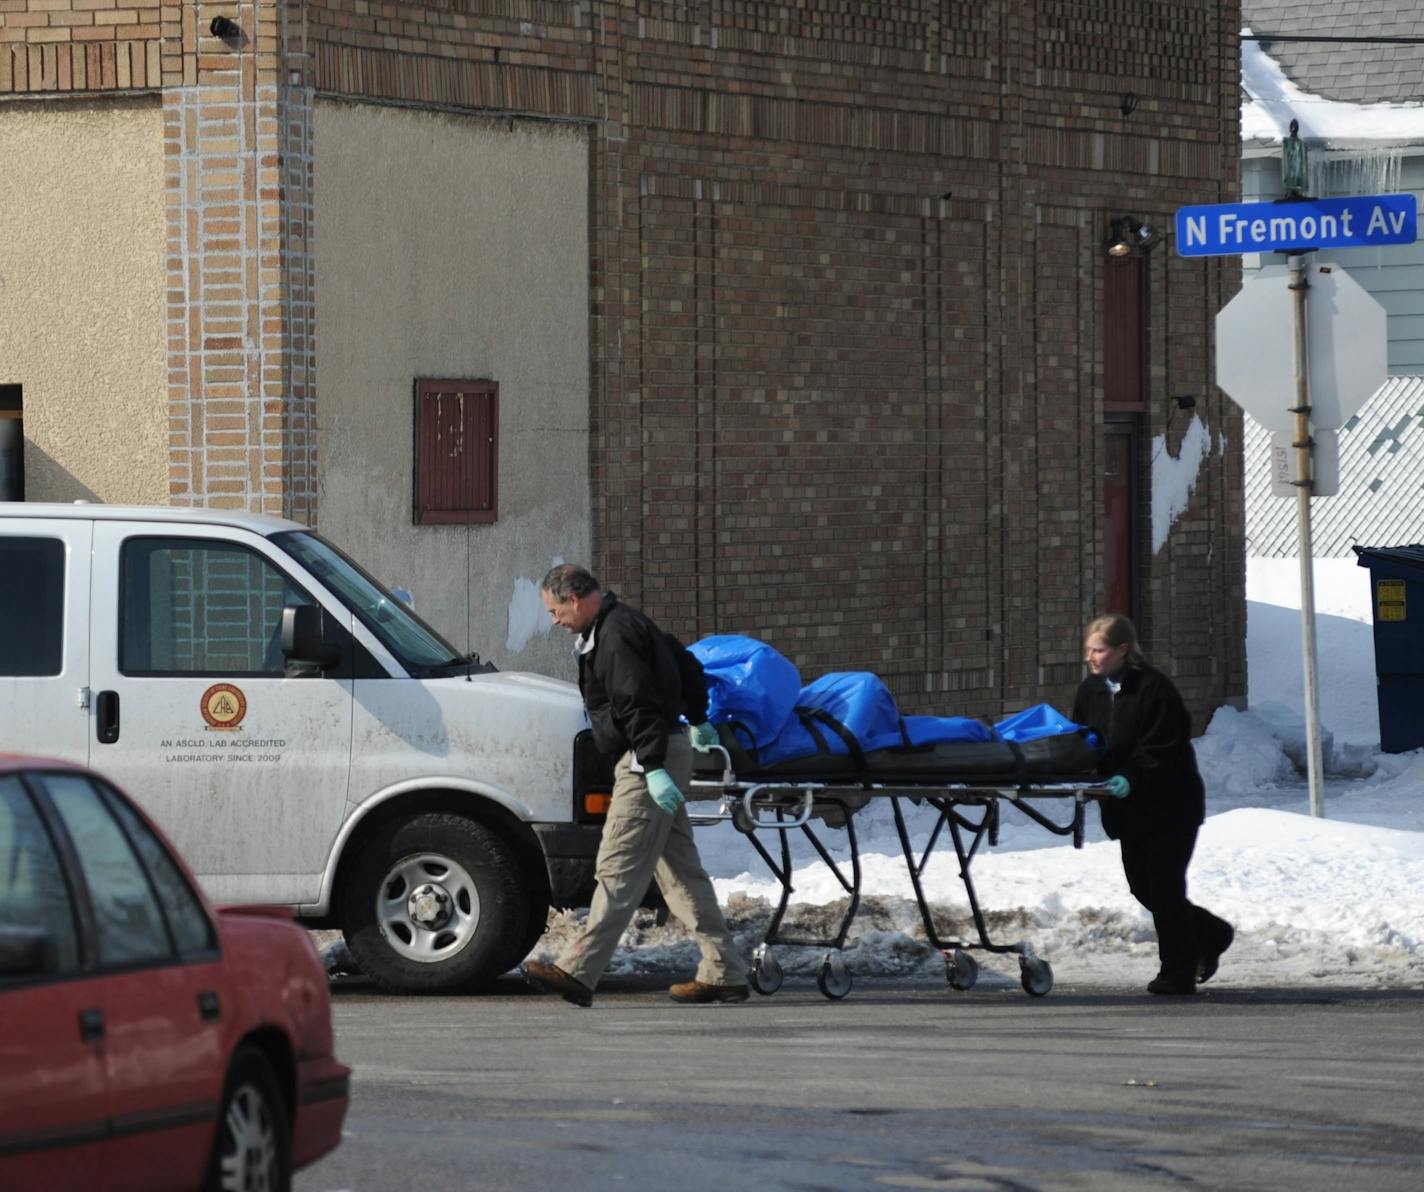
(901, 1085)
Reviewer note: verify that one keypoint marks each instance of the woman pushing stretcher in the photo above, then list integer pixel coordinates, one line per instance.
(1157, 798)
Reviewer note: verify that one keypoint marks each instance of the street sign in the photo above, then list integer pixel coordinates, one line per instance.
(1360, 221)
(1255, 347)
(1324, 464)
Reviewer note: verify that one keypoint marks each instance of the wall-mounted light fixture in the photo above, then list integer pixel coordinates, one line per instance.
(1180, 401)
(225, 28)
(1128, 235)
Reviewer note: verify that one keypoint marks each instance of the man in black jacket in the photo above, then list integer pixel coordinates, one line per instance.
(636, 681)
(1158, 801)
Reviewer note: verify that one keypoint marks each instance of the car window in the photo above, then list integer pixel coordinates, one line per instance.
(33, 892)
(192, 931)
(32, 606)
(127, 918)
(190, 606)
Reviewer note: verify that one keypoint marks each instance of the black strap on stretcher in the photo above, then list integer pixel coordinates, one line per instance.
(811, 717)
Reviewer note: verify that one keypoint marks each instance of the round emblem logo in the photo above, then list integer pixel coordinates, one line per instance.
(223, 706)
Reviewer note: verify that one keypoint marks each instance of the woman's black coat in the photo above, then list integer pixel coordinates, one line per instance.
(1147, 732)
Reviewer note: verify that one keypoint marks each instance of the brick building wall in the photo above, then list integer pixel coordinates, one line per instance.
(846, 277)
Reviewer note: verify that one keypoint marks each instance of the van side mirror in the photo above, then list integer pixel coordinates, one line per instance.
(304, 637)
(27, 952)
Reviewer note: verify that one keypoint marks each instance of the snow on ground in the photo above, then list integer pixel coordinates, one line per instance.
(1333, 901)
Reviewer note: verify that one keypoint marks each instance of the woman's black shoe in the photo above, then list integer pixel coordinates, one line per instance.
(1207, 962)
(1176, 988)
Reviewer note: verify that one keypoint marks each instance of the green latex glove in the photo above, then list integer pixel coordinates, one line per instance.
(664, 791)
(704, 736)
(1118, 787)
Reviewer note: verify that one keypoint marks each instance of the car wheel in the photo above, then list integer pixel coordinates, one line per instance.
(252, 1150)
(435, 906)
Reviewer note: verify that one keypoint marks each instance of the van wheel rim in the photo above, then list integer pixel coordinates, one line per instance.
(428, 908)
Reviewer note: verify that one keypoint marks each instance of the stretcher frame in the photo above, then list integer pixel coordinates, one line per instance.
(761, 804)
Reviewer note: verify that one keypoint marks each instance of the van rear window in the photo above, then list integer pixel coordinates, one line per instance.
(31, 606)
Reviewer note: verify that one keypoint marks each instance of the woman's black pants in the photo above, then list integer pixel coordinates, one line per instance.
(1156, 869)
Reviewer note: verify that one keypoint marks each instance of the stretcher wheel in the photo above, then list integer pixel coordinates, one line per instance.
(766, 975)
(961, 970)
(1036, 976)
(834, 980)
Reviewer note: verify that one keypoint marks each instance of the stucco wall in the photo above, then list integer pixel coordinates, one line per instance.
(81, 296)
(454, 247)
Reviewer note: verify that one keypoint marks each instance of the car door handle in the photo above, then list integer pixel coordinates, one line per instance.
(106, 717)
(91, 1025)
(209, 1006)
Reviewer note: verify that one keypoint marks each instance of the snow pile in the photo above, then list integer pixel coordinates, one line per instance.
(1244, 754)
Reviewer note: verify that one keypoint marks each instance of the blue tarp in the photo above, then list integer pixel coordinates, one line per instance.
(856, 700)
(931, 730)
(757, 691)
(749, 686)
(1041, 720)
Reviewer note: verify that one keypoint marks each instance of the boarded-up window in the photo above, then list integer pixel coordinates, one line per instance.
(456, 452)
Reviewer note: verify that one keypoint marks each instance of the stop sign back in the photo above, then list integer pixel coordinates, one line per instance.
(1255, 347)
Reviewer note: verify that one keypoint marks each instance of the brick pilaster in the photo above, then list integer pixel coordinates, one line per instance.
(238, 191)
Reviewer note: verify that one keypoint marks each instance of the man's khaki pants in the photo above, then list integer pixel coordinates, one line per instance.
(641, 842)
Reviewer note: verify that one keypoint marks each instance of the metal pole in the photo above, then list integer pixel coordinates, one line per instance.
(1304, 481)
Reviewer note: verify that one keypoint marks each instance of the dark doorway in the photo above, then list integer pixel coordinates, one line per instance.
(12, 443)
(1124, 409)
(1120, 498)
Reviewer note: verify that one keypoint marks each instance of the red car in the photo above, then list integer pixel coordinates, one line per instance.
(146, 1042)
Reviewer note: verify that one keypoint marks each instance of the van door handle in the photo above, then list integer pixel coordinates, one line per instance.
(209, 1006)
(91, 1025)
(106, 717)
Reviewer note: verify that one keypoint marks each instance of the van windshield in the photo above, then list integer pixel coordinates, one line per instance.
(415, 644)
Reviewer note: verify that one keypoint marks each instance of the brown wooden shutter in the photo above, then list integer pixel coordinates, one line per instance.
(456, 452)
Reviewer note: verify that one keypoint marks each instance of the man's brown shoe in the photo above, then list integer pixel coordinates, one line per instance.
(699, 993)
(550, 978)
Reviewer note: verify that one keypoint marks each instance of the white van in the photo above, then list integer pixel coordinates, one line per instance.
(302, 736)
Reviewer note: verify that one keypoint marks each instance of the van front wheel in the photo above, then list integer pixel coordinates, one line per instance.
(431, 906)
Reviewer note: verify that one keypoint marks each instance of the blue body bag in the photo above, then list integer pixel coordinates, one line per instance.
(845, 712)
(750, 687)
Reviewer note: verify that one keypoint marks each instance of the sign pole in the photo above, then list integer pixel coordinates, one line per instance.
(1337, 368)
(1299, 285)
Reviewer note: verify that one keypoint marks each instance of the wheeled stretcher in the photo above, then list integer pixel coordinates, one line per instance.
(965, 782)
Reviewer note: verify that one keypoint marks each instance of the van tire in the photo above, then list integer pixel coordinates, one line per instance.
(536, 924)
(444, 865)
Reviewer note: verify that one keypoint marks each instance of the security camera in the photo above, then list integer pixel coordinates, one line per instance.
(224, 28)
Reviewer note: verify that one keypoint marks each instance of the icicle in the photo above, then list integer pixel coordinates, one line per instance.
(1373, 171)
